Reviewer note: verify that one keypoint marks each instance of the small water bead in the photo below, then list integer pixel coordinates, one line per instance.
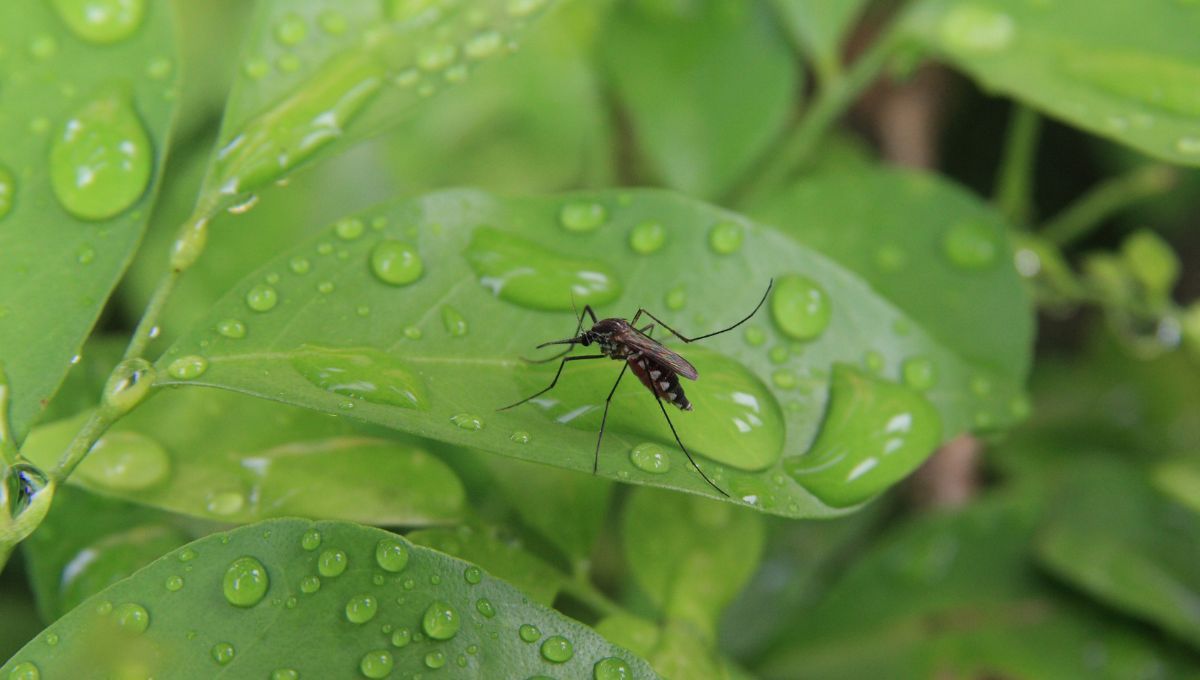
(975, 29)
(51, 639)
(435, 659)
(128, 385)
(778, 354)
(26, 670)
(441, 621)
(800, 307)
(291, 602)
(890, 258)
(325, 287)
(256, 68)
(310, 585)
(396, 263)
(675, 299)
(234, 329)
(188, 367)
(125, 461)
(285, 674)
(225, 503)
(378, 579)
(650, 457)
(435, 579)
(131, 617)
(457, 73)
(8, 191)
(919, 373)
(332, 22)
(223, 653)
(363, 310)
(361, 609)
(101, 22)
(467, 421)
(485, 607)
(332, 563)
(520, 437)
(407, 78)
(187, 555)
(412, 333)
(291, 30)
(391, 555)
(783, 379)
(158, 68)
(483, 45)
(725, 238)
(522, 8)
(401, 637)
(246, 582)
(648, 237)
(557, 649)
(454, 322)
(582, 217)
(324, 248)
(612, 668)
(376, 664)
(529, 633)
(755, 336)
(100, 162)
(43, 46)
(349, 228)
(262, 298)
(970, 245)
(473, 575)
(981, 386)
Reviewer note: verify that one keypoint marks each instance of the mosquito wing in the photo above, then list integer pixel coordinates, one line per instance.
(651, 348)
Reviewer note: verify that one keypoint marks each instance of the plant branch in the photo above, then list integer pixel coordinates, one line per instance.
(1106, 199)
(590, 595)
(1014, 180)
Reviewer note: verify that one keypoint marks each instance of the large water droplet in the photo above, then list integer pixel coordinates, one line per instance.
(101, 21)
(8, 191)
(647, 237)
(361, 608)
(800, 307)
(874, 433)
(650, 457)
(376, 664)
(362, 373)
(125, 461)
(725, 238)
(970, 245)
(188, 367)
(26, 670)
(128, 385)
(245, 582)
(441, 621)
(131, 617)
(582, 216)
(313, 115)
(396, 262)
(527, 274)
(100, 162)
(311, 540)
(557, 649)
(974, 29)
(332, 563)
(612, 668)
(391, 554)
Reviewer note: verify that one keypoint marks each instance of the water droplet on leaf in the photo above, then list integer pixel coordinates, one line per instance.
(650, 457)
(800, 307)
(245, 582)
(125, 461)
(100, 161)
(441, 621)
(527, 274)
(362, 373)
(101, 22)
(391, 555)
(396, 263)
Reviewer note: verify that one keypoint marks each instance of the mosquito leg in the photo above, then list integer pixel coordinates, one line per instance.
(684, 338)
(549, 359)
(684, 448)
(555, 381)
(604, 418)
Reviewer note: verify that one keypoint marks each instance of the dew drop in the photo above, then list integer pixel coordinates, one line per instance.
(299, 265)
(401, 637)
(650, 457)
(873, 434)
(391, 555)
(473, 575)
(361, 608)
(26, 670)
(582, 217)
(376, 664)
(981, 386)
(187, 367)
(919, 373)
(436, 57)
(100, 162)
(332, 563)
(412, 333)
(349, 228)
(325, 287)
(755, 336)
(647, 237)
(675, 298)
(245, 582)
(332, 22)
(285, 674)
(522, 8)
(441, 621)
(362, 373)
(483, 45)
(557, 649)
(435, 659)
(800, 307)
(8, 191)
(890, 258)
(454, 322)
(223, 653)
(725, 238)
(291, 30)
(485, 607)
(158, 68)
(125, 461)
(783, 379)
(43, 47)
(529, 275)
(310, 585)
(232, 328)
(520, 437)
(612, 668)
(974, 29)
(128, 385)
(256, 68)
(187, 555)
(174, 583)
(395, 262)
(529, 633)
(131, 617)
(874, 362)
(262, 298)
(101, 22)
(467, 421)
(970, 245)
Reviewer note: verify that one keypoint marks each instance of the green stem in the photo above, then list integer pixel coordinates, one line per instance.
(8, 447)
(1108, 198)
(590, 595)
(87, 436)
(831, 102)
(1014, 181)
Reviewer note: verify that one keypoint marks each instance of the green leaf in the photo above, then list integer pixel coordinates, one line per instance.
(691, 556)
(819, 27)
(674, 649)
(318, 75)
(225, 456)
(18, 615)
(929, 247)
(1180, 480)
(438, 355)
(1090, 69)
(247, 607)
(1113, 536)
(87, 543)
(707, 86)
(501, 555)
(956, 594)
(81, 100)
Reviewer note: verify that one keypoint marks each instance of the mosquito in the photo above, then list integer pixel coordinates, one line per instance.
(657, 367)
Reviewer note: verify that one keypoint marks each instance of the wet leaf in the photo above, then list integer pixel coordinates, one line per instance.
(1088, 68)
(83, 133)
(503, 556)
(328, 599)
(393, 319)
